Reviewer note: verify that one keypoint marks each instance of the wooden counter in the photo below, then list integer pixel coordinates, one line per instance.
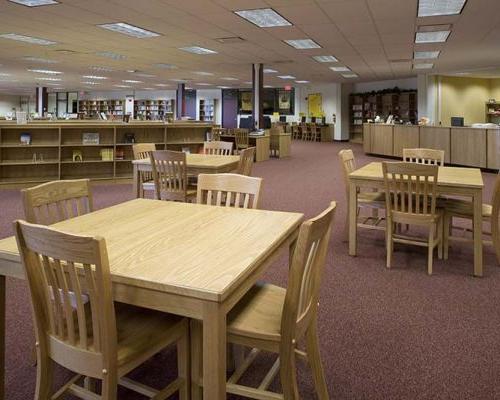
(473, 147)
(53, 144)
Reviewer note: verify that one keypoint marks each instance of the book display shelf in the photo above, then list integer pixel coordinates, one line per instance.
(207, 110)
(40, 152)
(153, 109)
(493, 112)
(90, 108)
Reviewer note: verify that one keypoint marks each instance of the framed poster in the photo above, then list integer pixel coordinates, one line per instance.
(246, 102)
(284, 99)
(315, 105)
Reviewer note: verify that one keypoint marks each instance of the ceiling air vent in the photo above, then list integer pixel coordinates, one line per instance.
(230, 39)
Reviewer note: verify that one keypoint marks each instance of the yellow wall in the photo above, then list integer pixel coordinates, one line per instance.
(464, 97)
(495, 89)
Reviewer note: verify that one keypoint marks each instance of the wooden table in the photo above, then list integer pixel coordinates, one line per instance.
(187, 259)
(464, 182)
(262, 145)
(196, 164)
(282, 143)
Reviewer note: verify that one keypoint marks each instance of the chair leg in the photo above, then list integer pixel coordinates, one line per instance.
(389, 242)
(495, 238)
(44, 372)
(346, 226)
(430, 253)
(196, 333)
(314, 357)
(440, 237)
(288, 375)
(183, 366)
(447, 220)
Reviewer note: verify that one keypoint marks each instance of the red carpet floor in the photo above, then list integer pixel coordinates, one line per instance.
(384, 334)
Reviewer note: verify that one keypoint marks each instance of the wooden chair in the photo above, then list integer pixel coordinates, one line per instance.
(78, 326)
(315, 133)
(219, 148)
(374, 201)
(217, 132)
(56, 201)
(245, 164)
(273, 319)
(140, 152)
(424, 156)
(456, 208)
(170, 176)
(229, 190)
(411, 198)
(274, 142)
(241, 139)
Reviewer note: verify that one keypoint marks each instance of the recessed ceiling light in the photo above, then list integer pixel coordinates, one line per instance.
(40, 78)
(203, 73)
(122, 86)
(340, 69)
(110, 54)
(270, 71)
(129, 30)
(27, 39)
(198, 50)
(301, 81)
(350, 75)
(228, 78)
(95, 77)
(34, 3)
(45, 71)
(165, 66)
(431, 8)
(423, 55)
(286, 76)
(202, 84)
(131, 81)
(325, 59)
(162, 84)
(423, 66)
(303, 44)
(40, 60)
(91, 83)
(432, 37)
(263, 17)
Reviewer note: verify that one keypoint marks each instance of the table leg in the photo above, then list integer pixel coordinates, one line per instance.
(136, 184)
(214, 352)
(2, 336)
(478, 233)
(353, 206)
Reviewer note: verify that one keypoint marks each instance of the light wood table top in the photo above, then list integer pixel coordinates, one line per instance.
(447, 176)
(205, 161)
(190, 249)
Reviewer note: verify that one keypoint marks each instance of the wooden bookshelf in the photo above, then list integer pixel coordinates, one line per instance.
(153, 109)
(50, 154)
(493, 112)
(207, 110)
(90, 108)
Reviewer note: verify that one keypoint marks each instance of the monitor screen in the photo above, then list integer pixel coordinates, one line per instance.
(282, 118)
(457, 121)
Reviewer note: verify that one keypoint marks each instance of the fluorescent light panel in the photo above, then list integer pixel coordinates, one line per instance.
(100, 68)
(35, 3)
(325, 59)
(228, 78)
(263, 17)
(286, 76)
(131, 81)
(122, 86)
(198, 50)
(350, 76)
(202, 84)
(4, 74)
(40, 78)
(144, 75)
(302, 44)
(202, 73)
(129, 30)
(45, 71)
(301, 81)
(162, 84)
(27, 39)
(340, 69)
(432, 37)
(269, 71)
(110, 54)
(95, 77)
(423, 66)
(40, 60)
(431, 8)
(224, 87)
(165, 66)
(91, 83)
(425, 55)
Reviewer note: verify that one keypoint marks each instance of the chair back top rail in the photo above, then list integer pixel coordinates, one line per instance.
(169, 174)
(424, 156)
(219, 148)
(142, 150)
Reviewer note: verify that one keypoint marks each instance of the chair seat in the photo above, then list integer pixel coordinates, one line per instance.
(464, 208)
(258, 313)
(142, 331)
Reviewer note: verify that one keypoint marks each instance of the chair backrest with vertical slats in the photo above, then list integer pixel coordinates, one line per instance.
(219, 148)
(169, 174)
(348, 165)
(217, 132)
(70, 287)
(142, 150)
(304, 277)
(245, 164)
(56, 201)
(241, 137)
(424, 156)
(410, 188)
(229, 190)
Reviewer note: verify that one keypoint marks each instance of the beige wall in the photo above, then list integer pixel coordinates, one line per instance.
(463, 97)
(495, 89)
(7, 103)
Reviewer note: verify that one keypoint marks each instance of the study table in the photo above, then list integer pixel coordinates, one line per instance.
(452, 181)
(188, 259)
(195, 163)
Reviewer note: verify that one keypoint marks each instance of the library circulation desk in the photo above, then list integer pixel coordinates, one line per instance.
(86, 149)
(472, 147)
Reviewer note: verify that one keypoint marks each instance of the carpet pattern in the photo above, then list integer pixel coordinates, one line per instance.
(384, 334)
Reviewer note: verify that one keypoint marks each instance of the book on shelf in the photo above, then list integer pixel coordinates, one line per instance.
(25, 138)
(90, 138)
(120, 153)
(77, 155)
(107, 154)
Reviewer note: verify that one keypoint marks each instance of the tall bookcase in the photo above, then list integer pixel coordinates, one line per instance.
(90, 108)
(207, 110)
(493, 112)
(153, 109)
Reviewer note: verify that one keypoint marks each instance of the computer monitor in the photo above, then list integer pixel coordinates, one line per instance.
(247, 123)
(313, 120)
(282, 118)
(267, 122)
(303, 120)
(457, 121)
